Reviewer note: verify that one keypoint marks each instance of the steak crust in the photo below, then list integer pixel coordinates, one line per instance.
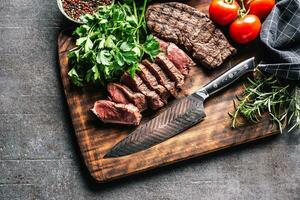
(151, 82)
(192, 29)
(169, 68)
(120, 93)
(137, 85)
(161, 77)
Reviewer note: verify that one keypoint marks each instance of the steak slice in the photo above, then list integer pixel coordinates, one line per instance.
(169, 68)
(115, 94)
(177, 56)
(120, 93)
(180, 59)
(137, 85)
(151, 82)
(161, 77)
(110, 112)
(190, 28)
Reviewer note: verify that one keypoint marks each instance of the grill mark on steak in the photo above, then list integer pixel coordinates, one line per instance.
(151, 82)
(137, 85)
(110, 112)
(120, 93)
(190, 28)
(169, 68)
(205, 59)
(161, 77)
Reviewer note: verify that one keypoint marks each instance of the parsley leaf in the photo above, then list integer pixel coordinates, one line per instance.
(151, 46)
(112, 40)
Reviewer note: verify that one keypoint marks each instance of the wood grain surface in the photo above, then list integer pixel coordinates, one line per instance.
(212, 134)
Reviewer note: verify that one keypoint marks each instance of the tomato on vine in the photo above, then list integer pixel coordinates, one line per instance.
(223, 12)
(243, 16)
(245, 29)
(260, 8)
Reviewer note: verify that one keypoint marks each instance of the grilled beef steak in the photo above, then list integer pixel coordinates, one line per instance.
(110, 112)
(151, 82)
(169, 68)
(190, 28)
(120, 93)
(137, 85)
(177, 56)
(161, 77)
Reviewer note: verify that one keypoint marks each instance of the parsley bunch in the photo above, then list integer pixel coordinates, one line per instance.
(112, 41)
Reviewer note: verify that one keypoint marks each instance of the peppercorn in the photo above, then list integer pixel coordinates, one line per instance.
(76, 8)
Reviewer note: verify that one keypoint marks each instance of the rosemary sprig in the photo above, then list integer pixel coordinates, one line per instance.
(294, 107)
(268, 94)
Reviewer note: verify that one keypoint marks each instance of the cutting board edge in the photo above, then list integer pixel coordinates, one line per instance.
(101, 179)
(62, 49)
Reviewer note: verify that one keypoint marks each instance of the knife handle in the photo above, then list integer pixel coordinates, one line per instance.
(228, 77)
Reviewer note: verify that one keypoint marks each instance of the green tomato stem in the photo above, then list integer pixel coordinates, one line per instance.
(243, 11)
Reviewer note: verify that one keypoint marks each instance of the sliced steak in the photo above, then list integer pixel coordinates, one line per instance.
(190, 28)
(180, 59)
(169, 68)
(120, 93)
(151, 82)
(110, 112)
(115, 94)
(161, 77)
(137, 85)
(177, 56)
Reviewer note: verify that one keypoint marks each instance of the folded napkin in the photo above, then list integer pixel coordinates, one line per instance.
(280, 35)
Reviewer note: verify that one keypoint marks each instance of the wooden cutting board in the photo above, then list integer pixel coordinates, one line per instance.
(212, 134)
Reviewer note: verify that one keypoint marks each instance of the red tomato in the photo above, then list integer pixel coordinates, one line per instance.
(260, 8)
(223, 12)
(245, 29)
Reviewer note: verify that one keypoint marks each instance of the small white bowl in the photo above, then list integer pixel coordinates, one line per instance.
(60, 6)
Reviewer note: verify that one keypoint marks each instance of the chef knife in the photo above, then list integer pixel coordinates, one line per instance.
(179, 116)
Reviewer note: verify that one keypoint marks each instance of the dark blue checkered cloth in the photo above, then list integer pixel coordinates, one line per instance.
(281, 36)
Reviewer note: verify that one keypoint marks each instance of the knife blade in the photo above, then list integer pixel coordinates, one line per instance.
(179, 116)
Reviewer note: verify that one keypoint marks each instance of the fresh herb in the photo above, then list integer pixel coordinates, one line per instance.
(267, 94)
(112, 40)
(294, 107)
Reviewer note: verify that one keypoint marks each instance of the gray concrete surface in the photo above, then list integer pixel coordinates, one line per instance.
(39, 156)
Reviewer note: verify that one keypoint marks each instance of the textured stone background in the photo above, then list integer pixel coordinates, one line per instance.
(39, 157)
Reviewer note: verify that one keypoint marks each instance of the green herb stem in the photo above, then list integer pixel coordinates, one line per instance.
(268, 95)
